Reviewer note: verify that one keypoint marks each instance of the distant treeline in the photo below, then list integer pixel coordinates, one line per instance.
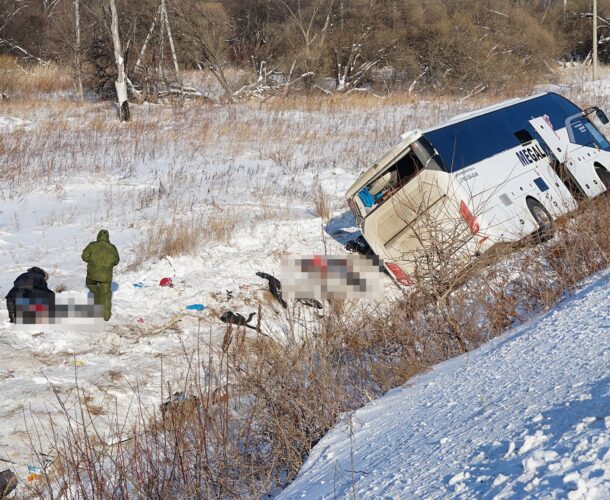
(447, 45)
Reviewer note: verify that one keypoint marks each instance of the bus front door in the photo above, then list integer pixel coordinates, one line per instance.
(577, 160)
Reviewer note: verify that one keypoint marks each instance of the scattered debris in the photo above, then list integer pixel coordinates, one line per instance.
(139, 284)
(275, 287)
(8, 482)
(140, 320)
(359, 245)
(34, 473)
(166, 282)
(311, 303)
(237, 319)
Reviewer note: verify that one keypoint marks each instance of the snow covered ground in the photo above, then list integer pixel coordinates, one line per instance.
(243, 177)
(526, 415)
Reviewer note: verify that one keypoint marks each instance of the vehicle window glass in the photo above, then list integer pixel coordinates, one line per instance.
(524, 136)
(586, 134)
(391, 180)
(425, 152)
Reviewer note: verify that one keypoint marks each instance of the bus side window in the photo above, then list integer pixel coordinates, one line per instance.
(524, 136)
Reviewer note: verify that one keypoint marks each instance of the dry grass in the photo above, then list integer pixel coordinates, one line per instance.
(221, 226)
(183, 237)
(23, 79)
(321, 203)
(254, 408)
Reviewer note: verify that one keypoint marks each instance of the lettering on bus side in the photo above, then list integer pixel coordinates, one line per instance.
(530, 155)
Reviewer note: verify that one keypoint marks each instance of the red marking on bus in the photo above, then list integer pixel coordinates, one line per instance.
(470, 219)
(402, 277)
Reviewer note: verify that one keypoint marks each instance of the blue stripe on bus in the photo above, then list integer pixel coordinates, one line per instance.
(468, 142)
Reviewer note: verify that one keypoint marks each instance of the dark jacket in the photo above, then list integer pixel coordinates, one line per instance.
(29, 285)
(101, 256)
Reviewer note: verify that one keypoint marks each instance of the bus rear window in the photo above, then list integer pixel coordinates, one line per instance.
(390, 181)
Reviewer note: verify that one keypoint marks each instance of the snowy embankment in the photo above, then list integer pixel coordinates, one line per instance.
(526, 414)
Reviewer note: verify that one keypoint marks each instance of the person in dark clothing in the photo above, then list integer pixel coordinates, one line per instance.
(101, 256)
(30, 286)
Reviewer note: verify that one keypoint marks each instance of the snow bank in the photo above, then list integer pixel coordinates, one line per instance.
(526, 414)
(11, 123)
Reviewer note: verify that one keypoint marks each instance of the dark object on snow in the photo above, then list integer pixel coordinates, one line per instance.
(237, 319)
(275, 287)
(32, 286)
(179, 403)
(8, 482)
(359, 245)
(311, 303)
(101, 256)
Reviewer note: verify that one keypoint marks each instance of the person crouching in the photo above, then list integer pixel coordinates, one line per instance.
(30, 290)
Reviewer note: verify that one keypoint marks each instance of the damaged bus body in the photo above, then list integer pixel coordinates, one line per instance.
(494, 175)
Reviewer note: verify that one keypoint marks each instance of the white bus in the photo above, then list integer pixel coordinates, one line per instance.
(493, 175)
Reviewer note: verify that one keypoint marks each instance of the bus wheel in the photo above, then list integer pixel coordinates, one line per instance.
(546, 226)
(604, 175)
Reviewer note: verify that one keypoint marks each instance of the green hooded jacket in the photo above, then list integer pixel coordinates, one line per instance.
(101, 256)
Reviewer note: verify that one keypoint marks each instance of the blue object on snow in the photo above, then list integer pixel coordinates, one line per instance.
(195, 307)
(115, 286)
(139, 284)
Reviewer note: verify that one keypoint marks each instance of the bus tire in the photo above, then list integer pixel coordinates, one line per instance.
(604, 175)
(546, 225)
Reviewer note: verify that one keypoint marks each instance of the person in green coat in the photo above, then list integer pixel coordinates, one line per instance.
(101, 256)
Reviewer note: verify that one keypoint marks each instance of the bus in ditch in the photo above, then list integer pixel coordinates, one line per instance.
(497, 174)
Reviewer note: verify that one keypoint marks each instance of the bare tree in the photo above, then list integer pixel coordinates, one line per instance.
(77, 51)
(9, 10)
(205, 27)
(352, 68)
(307, 21)
(165, 24)
(49, 7)
(121, 81)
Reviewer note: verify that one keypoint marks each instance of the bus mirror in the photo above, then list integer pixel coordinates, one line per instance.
(601, 116)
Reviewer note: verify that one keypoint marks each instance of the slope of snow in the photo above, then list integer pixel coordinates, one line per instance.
(527, 414)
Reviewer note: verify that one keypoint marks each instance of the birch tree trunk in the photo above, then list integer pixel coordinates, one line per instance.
(121, 81)
(77, 52)
(173, 49)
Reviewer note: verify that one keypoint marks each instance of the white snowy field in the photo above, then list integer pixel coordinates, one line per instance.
(238, 184)
(240, 181)
(526, 415)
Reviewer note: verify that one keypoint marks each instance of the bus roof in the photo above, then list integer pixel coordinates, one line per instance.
(472, 137)
(482, 111)
(444, 137)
